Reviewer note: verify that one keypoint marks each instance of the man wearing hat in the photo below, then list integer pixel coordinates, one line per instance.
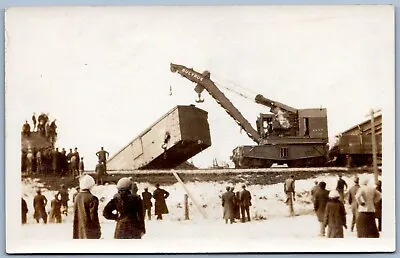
(86, 220)
(245, 203)
(335, 216)
(127, 210)
(160, 205)
(320, 202)
(341, 185)
(352, 201)
(228, 201)
(147, 204)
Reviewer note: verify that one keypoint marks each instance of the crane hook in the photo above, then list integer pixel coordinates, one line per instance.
(199, 100)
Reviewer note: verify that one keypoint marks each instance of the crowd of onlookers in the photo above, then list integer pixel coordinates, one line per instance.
(51, 160)
(329, 206)
(127, 208)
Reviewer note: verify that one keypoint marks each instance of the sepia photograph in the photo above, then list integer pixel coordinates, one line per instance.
(200, 129)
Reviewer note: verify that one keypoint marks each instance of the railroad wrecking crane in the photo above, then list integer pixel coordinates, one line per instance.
(296, 137)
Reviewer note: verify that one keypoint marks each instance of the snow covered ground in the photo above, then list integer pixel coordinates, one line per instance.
(269, 213)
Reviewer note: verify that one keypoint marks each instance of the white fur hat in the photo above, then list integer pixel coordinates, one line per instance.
(124, 184)
(364, 180)
(86, 182)
(334, 194)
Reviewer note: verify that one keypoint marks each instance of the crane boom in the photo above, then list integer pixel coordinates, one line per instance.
(260, 99)
(203, 81)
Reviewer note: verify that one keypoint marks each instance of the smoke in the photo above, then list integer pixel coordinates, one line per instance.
(283, 121)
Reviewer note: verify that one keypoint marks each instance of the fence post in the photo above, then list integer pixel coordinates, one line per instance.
(186, 198)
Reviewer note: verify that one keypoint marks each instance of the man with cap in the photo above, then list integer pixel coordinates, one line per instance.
(39, 203)
(335, 216)
(366, 198)
(147, 204)
(321, 199)
(86, 220)
(228, 201)
(352, 201)
(341, 185)
(160, 205)
(127, 210)
(245, 203)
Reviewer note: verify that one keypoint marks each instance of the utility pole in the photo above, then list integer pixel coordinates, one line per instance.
(374, 147)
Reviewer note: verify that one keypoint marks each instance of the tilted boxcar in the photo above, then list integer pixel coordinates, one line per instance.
(354, 146)
(176, 137)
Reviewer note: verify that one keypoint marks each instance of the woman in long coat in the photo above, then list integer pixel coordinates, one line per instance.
(228, 202)
(160, 206)
(335, 216)
(366, 198)
(129, 212)
(86, 219)
(320, 201)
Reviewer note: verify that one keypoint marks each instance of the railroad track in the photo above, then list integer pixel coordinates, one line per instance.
(229, 171)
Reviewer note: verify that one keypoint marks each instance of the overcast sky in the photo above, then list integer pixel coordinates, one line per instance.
(104, 73)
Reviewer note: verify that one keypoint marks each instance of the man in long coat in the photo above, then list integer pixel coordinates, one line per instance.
(352, 201)
(129, 212)
(335, 216)
(321, 199)
(245, 203)
(39, 203)
(228, 202)
(86, 219)
(160, 205)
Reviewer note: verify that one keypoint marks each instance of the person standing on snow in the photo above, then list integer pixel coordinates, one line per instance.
(39, 203)
(55, 212)
(147, 202)
(289, 189)
(366, 198)
(86, 220)
(245, 203)
(129, 212)
(321, 199)
(63, 196)
(352, 201)
(341, 185)
(160, 205)
(24, 210)
(335, 216)
(228, 202)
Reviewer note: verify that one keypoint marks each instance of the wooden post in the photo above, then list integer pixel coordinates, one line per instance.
(374, 155)
(188, 193)
(186, 201)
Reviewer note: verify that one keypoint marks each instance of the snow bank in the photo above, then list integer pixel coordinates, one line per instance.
(267, 200)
